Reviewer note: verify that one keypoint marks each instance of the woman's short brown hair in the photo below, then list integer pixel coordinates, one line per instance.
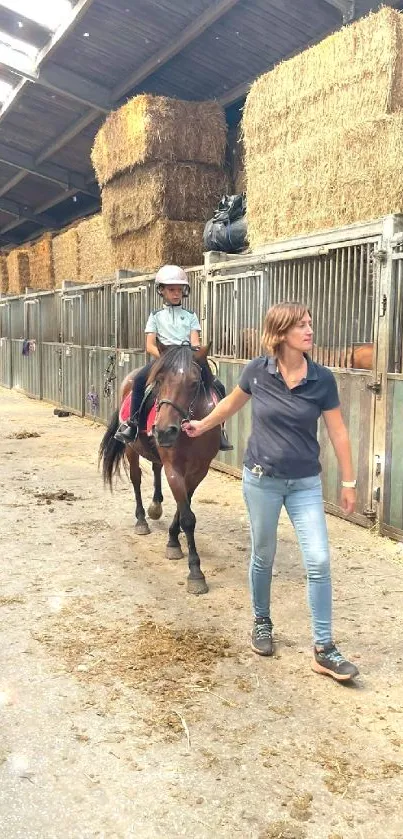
(279, 319)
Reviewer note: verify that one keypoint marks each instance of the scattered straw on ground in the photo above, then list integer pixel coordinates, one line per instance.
(175, 191)
(151, 128)
(166, 665)
(23, 435)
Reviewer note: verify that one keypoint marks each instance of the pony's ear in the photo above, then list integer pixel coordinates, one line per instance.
(202, 353)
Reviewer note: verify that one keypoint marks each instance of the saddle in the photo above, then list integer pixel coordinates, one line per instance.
(148, 412)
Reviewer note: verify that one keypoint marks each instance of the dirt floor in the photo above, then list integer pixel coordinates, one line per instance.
(133, 709)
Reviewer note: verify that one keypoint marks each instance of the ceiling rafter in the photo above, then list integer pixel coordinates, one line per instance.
(48, 171)
(12, 208)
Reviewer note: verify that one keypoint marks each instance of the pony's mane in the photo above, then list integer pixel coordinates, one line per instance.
(178, 359)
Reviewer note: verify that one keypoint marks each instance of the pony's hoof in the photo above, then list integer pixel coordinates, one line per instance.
(197, 586)
(174, 552)
(155, 510)
(142, 528)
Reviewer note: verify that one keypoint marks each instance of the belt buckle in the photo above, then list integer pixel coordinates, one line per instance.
(257, 470)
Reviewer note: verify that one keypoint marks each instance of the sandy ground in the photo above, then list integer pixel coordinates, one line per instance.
(133, 709)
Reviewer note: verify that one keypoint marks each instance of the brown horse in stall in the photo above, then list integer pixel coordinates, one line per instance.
(181, 384)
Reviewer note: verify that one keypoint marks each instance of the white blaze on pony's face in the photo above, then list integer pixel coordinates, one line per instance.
(300, 336)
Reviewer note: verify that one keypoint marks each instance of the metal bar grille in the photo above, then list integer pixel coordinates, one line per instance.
(336, 284)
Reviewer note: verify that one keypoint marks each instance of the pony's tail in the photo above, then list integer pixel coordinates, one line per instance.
(111, 452)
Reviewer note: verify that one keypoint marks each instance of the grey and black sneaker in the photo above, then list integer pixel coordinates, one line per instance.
(329, 661)
(262, 636)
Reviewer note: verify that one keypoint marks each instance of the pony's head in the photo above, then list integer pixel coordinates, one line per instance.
(179, 377)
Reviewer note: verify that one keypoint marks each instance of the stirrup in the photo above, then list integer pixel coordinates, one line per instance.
(225, 445)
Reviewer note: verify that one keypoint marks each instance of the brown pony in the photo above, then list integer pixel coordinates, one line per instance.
(182, 384)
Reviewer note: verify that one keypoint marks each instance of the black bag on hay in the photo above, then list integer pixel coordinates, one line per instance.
(227, 230)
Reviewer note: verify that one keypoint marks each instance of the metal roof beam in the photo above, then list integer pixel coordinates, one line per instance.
(345, 7)
(48, 171)
(23, 214)
(193, 31)
(61, 81)
(61, 33)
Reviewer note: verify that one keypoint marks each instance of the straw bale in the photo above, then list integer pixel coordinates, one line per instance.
(3, 274)
(18, 270)
(95, 252)
(66, 257)
(236, 159)
(355, 74)
(328, 180)
(41, 263)
(174, 242)
(155, 128)
(176, 191)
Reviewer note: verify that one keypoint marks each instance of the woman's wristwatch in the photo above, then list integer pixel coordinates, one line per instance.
(349, 484)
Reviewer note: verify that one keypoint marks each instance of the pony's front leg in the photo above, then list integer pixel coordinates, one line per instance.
(174, 550)
(141, 526)
(196, 583)
(155, 508)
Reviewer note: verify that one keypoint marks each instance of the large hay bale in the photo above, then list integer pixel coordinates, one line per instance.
(355, 74)
(154, 128)
(175, 191)
(41, 263)
(173, 242)
(236, 159)
(335, 178)
(18, 270)
(66, 257)
(3, 274)
(95, 252)
(307, 124)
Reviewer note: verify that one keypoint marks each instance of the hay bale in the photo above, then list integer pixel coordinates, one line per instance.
(173, 242)
(41, 263)
(18, 270)
(3, 274)
(307, 124)
(355, 74)
(66, 257)
(335, 178)
(155, 128)
(95, 252)
(236, 159)
(176, 191)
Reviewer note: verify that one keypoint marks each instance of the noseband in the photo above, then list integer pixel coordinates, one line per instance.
(186, 415)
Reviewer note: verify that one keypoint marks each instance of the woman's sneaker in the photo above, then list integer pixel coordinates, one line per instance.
(262, 637)
(329, 661)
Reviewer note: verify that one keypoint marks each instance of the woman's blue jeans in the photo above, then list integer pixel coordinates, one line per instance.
(303, 500)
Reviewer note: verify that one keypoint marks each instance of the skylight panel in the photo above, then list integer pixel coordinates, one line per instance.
(48, 13)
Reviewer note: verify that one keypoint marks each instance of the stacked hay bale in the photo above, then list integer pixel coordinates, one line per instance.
(94, 251)
(160, 163)
(18, 270)
(66, 257)
(323, 133)
(236, 159)
(3, 274)
(41, 263)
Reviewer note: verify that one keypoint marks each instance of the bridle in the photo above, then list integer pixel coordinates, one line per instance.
(185, 414)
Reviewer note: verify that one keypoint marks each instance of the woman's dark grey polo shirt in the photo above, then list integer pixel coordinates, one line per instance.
(285, 422)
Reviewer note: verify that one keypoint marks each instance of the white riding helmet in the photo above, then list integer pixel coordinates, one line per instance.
(172, 275)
